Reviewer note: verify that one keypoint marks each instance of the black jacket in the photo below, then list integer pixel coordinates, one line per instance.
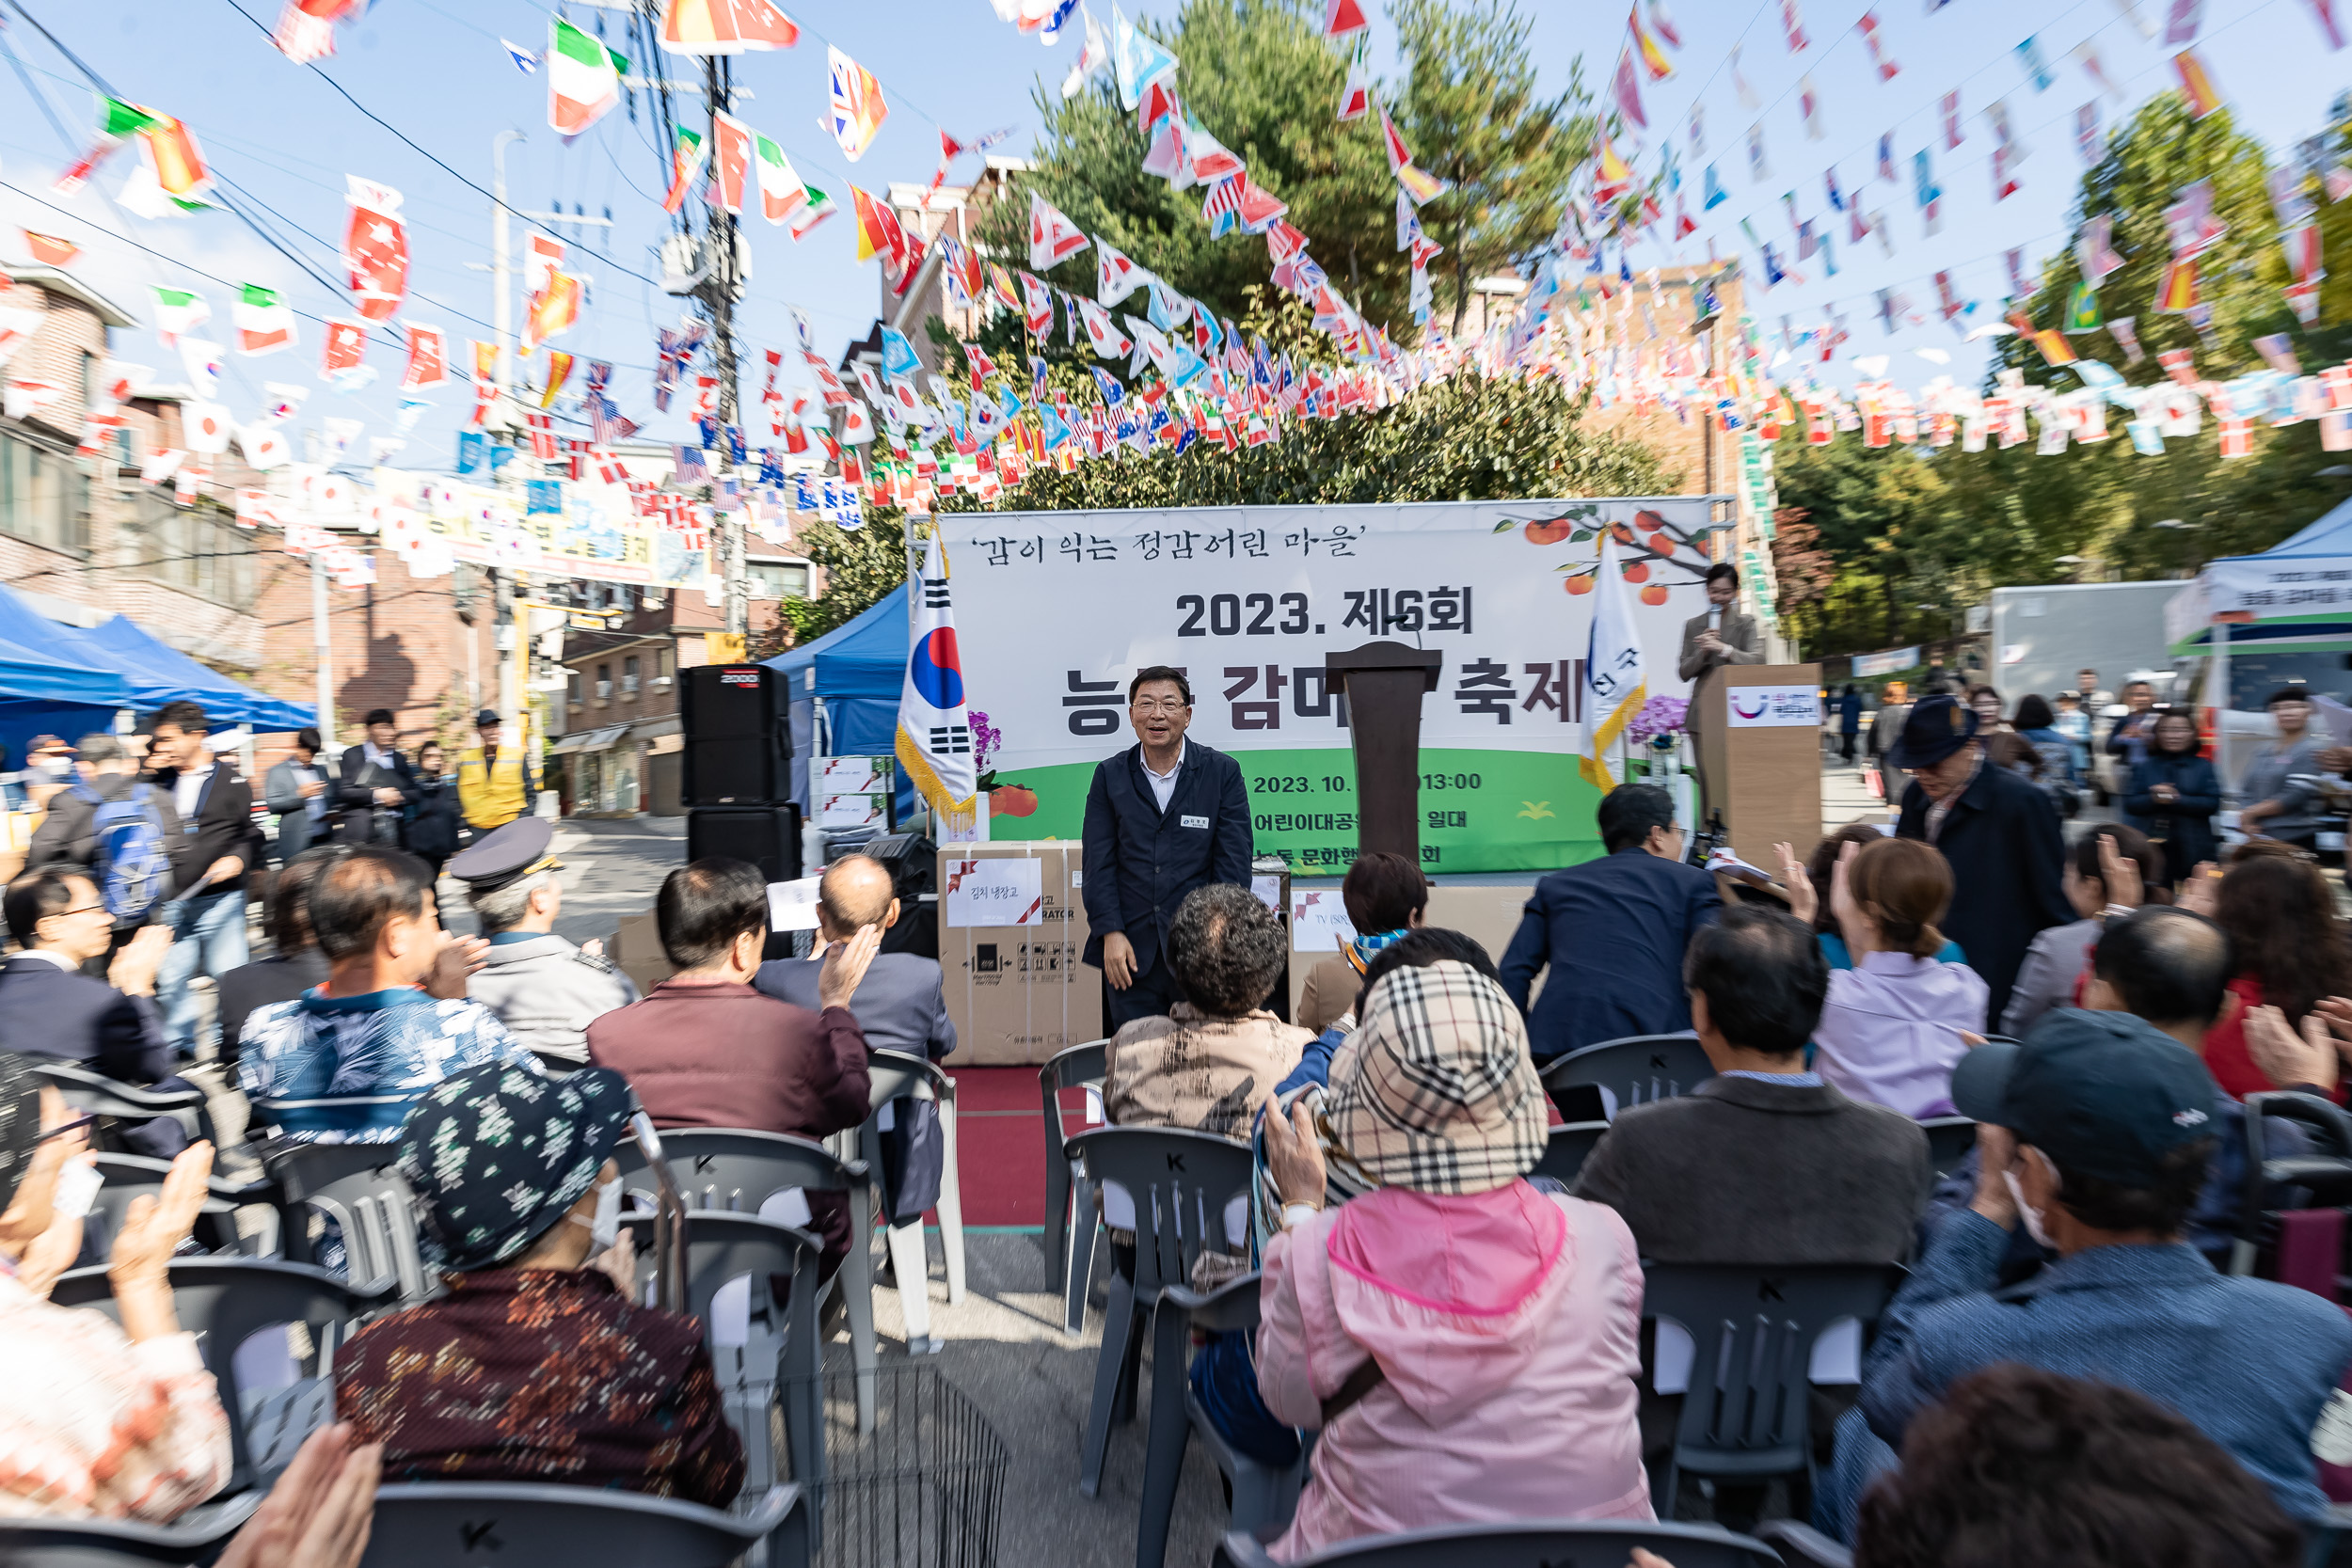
(432, 831)
(1742, 1171)
(2007, 853)
(279, 977)
(64, 837)
(354, 795)
(2187, 822)
(1140, 862)
(223, 825)
(1613, 932)
(67, 1017)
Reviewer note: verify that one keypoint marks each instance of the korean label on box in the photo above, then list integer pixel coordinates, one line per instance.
(1319, 921)
(995, 892)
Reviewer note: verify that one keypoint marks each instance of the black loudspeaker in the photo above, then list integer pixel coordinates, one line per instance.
(738, 735)
(767, 836)
(913, 862)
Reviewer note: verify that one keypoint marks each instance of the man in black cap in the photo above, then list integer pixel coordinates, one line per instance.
(495, 784)
(2096, 1133)
(1999, 832)
(541, 987)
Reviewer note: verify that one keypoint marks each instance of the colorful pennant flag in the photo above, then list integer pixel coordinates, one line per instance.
(178, 311)
(375, 248)
(2196, 85)
(264, 323)
(780, 191)
(686, 163)
(1626, 85)
(1880, 61)
(724, 26)
(858, 109)
(583, 79)
(1136, 59)
(814, 208)
(730, 162)
(1792, 25)
(1343, 17)
(428, 359)
(50, 251)
(2028, 54)
(1654, 59)
(1950, 106)
(345, 345)
(1052, 238)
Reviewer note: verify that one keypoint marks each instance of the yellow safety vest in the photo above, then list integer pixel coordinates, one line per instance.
(491, 796)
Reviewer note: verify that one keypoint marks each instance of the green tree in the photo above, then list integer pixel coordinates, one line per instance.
(861, 565)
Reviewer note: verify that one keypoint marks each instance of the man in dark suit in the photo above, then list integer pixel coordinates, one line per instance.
(215, 846)
(902, 1004)
(1163, 817)
(297, 790)
(48, 1008)
(1999, 830)
(374, 786)
(1613, 932)
(1719, 636)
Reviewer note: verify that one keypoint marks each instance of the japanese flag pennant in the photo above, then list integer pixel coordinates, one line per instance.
(1052, 238)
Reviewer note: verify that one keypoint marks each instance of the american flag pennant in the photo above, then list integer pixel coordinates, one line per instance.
(2004, 174)
(1886, 159)
(1836, 196)
(1869, 26)
(2302, 246)
(1950, 106)
(1793, 25)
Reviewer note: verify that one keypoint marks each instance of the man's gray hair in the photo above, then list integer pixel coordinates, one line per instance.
(502, 908)
(100, 747)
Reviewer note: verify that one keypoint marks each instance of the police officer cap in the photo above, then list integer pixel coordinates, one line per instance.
(487, 718)
(506, 855)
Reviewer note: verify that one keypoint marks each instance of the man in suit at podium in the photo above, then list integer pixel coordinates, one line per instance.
(1720, 636)
(1163, 817)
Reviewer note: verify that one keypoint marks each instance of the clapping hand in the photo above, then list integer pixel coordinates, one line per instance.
(846, 963)
(2288, 1057)
(1804, 899)
(2201, 893)
(1293, 1155)
(319, 1513)
(2120, 875)
(453, 964)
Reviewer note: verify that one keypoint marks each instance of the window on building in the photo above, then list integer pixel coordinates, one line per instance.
(604, 683)
(628, 677)
(778, 580)
(571, 694)
(199, 550)
(665, 663)
(44, 496)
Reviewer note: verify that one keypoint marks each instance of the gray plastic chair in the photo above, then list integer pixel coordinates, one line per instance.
(1069, 1226)
(1748, 1413)
(126, 1176)
(1181, 1183)
(358, 1119)
(224, 1301)
(1599, 1544)
(1567, 1149)
(783, 1365)
(194, 1539)
(1637, 1069)
(896, 1075)
(518, 1524)
(736, 1171)
(2326, 1173)
(359, 1188)
(1949, 1139)
(113, 1101)
(1264, 1498)
(1802, 1547)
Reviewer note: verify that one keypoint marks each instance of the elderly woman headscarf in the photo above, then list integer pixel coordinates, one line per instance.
(96, 1421)
(535, 1366)
(1433, 1324)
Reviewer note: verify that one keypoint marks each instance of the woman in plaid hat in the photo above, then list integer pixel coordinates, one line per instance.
(1468, 1344)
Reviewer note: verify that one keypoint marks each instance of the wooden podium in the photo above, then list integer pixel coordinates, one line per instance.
(1765, 774)
(1384, 683)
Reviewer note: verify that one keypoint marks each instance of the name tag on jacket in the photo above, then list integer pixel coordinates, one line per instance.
(1201, 822)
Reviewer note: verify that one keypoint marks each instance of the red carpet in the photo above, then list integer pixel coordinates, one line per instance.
(1001, 1145)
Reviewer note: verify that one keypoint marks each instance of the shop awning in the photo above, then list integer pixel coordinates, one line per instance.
(588, 741)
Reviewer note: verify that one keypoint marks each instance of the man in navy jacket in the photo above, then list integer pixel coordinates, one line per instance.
(1612, 930)
(1163, 817)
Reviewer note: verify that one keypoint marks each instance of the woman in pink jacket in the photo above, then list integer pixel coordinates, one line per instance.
(1468, 1345)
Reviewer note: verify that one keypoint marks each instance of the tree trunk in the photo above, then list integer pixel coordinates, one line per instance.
(1461, 284)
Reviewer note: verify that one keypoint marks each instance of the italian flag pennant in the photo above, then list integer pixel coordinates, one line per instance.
(583, 79)
(814, 210)
(781, 192)
(264, 324)
(686, 162)
(116, 120)
(179, 311)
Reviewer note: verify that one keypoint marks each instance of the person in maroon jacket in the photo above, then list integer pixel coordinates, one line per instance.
(706, 1049)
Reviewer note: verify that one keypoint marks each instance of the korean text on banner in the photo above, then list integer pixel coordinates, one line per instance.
(994, 892)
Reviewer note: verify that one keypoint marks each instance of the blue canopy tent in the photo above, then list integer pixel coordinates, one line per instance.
(224, 701)
(47, 690)
(857, 669)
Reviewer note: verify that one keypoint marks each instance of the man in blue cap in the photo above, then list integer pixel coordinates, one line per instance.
(544, 990)
(2096, 1134)
(1999, 832)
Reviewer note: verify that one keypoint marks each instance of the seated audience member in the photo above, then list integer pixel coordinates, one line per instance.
(2291, 953)
(1385, 895)
(1613, 932)
(1466, 1344)
(98, 1422)
(390, 1021)
(2097, 1132)
(2021, 1465)
(1891, 1028)
(1764, 1163)
(1420, 947)
(537, 1365)
(2110, 871)
(901, 1005)
(707, 1050)
(1820, 870)
(50, 1008)
(544, 990)
(1212, 1061)
(294, 964)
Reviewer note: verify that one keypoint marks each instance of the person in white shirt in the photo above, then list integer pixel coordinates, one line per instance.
(215, 846)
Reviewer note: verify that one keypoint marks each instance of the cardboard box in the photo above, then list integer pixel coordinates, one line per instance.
(1017, 992)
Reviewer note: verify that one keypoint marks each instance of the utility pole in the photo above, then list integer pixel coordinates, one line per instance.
(322, 652)
(502, 303)
(718, 80)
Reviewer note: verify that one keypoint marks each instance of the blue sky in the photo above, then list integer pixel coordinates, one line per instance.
(435, 70)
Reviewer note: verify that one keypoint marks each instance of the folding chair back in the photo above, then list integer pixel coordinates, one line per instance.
(114, 1102)
(1263, 1498)
(1949, 1139)
(195, 1538)
(1565, 1151)
(2326, 1173)
(518, 1524)
(224, 1302)
(1603, 1543)
(1746, 1416)
(125, 1176)
(360, 1189)
(347, 1118)
(897, 1075)
(1070, 1226)
(1634, 1071)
